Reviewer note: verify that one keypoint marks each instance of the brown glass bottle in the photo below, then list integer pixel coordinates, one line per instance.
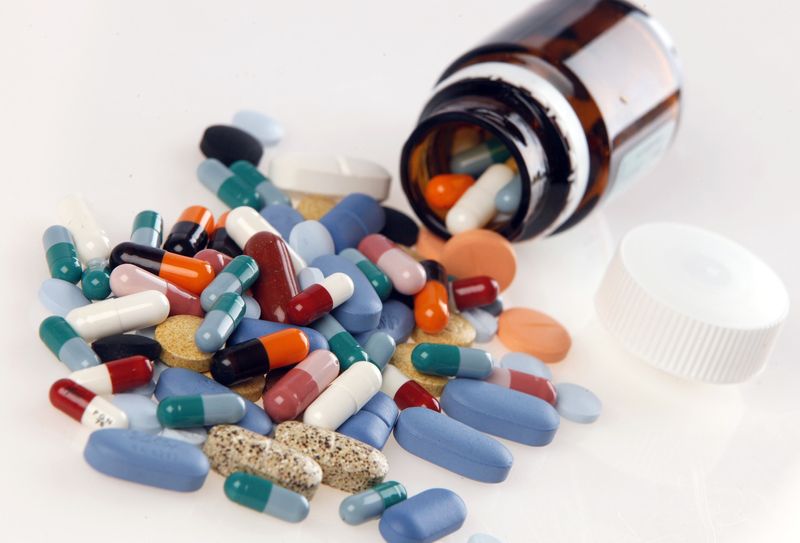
(584, 94)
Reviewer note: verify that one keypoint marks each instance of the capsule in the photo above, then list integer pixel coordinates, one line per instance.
(64, 342)
(444, 190)
(379, 281)
(119, 315)
(406, 274)
(478, 291)
(477, 159)
(301, 385)
(524, 382)
(221, 240)
(451, 360)
(115, 376)
(220, 322)
(238, 276)
(85, 406)
(200, 410)
(244, 222)
(259, 356)
(265, 496)
(128, 279)
(320, 299)
(405, 391)
(340, 341)
(508, 197)
(191, 232)
(270, 194)
(215, 259)
(148, 229)
(431, 311)
(380, 348)
(61, 255)
(276, 283)
(370, 504)
(92, 244)
(476, 208)
(344, 396)
(188, 273)
(227, 186)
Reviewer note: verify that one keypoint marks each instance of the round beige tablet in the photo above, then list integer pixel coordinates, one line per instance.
(178, 349)
(434, 384)
(312, 207)
(250, 389)
(457, 332)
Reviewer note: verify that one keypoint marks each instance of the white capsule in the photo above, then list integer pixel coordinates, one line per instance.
(91, 241)
(393, 379)
(339, 286)
(101, 413)
(244, 222)
(344, 396)
(119, 315)
(476, 208)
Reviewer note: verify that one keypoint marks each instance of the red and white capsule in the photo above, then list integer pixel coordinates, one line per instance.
(319, 299)
(115, 376)
(85, 406)
(405, 391)
(524, 382)
(407, 275)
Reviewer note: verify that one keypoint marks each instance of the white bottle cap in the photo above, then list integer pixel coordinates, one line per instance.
(692, 303)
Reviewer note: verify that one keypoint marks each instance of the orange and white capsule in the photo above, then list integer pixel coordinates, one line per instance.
(85, 406)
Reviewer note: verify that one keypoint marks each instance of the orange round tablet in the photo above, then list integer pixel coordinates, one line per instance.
(480, 252)
(429, 245)
(528, 331)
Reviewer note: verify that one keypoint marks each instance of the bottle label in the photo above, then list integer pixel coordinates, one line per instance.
(642, 157)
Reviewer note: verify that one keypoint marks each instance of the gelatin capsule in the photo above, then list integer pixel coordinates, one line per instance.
(188, 273)
(92, 244)
(227, 186)
(244, 222)
(295, 391)
(444, 190)
(128, 279)
(85, 406)
(148, 229)
(508, 197)
(405, 391)
(276, 283)
(406, 274)
(320, 299)
(119, 315)
(221, 240)
(264, 496)
(431, 311)
(379, 280)
(344, 396)
(476, 160)
(115, 376)
(340, 342)
(61, 255)
(215, 259)
(191, 232)
(532, 385)
(64, 342)
(478, 291)
(200, 410)
(270, 194)
(219, 322)
(237, 276)
(380, 348)
(451, 360)
(259, 356)
(476, 208)
(370, 504)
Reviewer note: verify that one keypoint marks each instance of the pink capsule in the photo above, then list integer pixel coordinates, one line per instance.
(129, 279)
(216, 259)
(406, 274)
(301, 385)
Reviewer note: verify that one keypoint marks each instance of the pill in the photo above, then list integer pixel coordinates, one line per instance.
(60, 297)
(524, 382)
(451, 361)
(371, 504)
(310, 239)
(508, 198)
(431, 311)
(282, 217)
(452, 445)
(127, 279)
(262, 127)
(329, 175)
(362, 311)
(227, 186)
(295, 390)
(380, 348)
(485, 324)
(249, 389)
(406, 274)
(191, 232)
(64, 342)
(193, 436)
(85, 406)
(270, 194)
(525, 363)
(258, 356)
(183, 382)
(125, 345)
(309, 276)
(188, 273)
(494, 308)
(476, 160)
(115, 376)
(476, 207)
(405, 391)
(220, 242)
(244, 223)
(149, 387)
(276, 284)
(429, 245)
(476, 291)
(237, 276)
(373, 423)
(379, 281)
(200, 410)
(500, 411)
(525, 330)
(219, 322)
(61, 254)
(480, 252)
(315, 206)
(140, 411)
(216, 259)
(118, 315)
(147, 229)
(344, 396)
(399, 227)
(176, 337)
(229, 144)
(265, 497)
(457, 332)
(354, 217)
(231, 448)
(92, 244)
(252, 328)
(146, 459)
(347, 464)
(577, 403)
(396, 319)
(340, 342)
(426, 517)
(444, 190)
(251, 308)
(434, 384)
(319, 299)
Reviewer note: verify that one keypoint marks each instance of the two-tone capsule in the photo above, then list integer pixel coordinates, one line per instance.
(277, 281)
(340, 341)
(191, 232)
(128, 279)
(475, 160)
(64, 342)
(265, 497)
(476, 208)
(301, 385)
(227, 186)
(245, 222)
(61, 255)
(119, 315)
(115, 376)
(405, 391)
(220, 322)
(370, 504)
(406, 274)
(92, 243)
(524, 382)
(478, 291)
(344, 396)
(85, 406)
(214, 258)
(431, 310)
(259, 356)
(270, 194)
(220, 240)
(379, 280)
(444, 190)
(508, 198)
(200, 410)
(451, 360)
(320, 299)
(188, 273)
(148, 228)
(237, 276)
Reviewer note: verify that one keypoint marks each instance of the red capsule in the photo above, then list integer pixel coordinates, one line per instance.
(276, 284)
(405, 391)
(214, 258)
(320, 298)
(474, 292)
(85, 406)
(524, 382)
(300, 386)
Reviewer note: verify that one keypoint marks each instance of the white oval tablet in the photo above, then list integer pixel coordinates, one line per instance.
(329, 175)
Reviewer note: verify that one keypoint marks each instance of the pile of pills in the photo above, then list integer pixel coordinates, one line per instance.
(344, 320)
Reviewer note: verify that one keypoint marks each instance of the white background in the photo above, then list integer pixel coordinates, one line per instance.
(110, 99)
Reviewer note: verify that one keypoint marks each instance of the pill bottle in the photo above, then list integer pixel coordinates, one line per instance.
(579, 97)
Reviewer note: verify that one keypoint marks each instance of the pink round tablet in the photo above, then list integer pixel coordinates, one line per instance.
(406, 274)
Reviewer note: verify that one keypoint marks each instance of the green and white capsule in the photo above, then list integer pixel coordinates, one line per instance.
(92, 244)
(229, 187)
(340, 342)
(64, 342)
(475, 160)
(371, 503)
(200, 410)
(270, 194)
(61, 255)
(238, 276)
(379, 280)
(266, 497)
(148, 229)
(451, 361)
(220, 322)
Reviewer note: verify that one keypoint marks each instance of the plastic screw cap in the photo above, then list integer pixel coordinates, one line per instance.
(692, 303)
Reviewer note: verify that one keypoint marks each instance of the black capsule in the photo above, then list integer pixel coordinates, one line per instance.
(240, 362)
(400, 228)
(229, 144)
(125, 345)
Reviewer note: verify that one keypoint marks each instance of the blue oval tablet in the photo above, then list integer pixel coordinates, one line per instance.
(282, 218)
(60, 297)
(424, 518)
(252, 328)
(397, 320)
(577, 403)
(310, 240)
(526, 363)
(485, 324)
(362, 311)
(352, 219)
(373, 423)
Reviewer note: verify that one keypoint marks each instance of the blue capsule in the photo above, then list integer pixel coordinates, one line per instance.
(148, 229)
(507, 198)
(238, 276)
(371, 503)
(266, 497)
(220, 322)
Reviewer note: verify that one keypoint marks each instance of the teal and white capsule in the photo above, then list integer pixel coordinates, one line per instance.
(148, 229)
(475, 160)
(266, 497)
(270, 194)
(340, 342)
(200, 410)
(220, 322)
(451, 361)
(238, 276)
(370, 504)
(92, 243)
(229, 187)
(61, 254)
(64, 342)
(379, 280)
(508, 198)
(380, 347)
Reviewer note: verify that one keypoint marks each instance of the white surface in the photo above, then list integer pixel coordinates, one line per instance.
(110, 98)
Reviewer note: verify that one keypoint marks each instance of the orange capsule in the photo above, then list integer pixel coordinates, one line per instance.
(431, 311)
(191, 232)
(188, 273)
(444, 190)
